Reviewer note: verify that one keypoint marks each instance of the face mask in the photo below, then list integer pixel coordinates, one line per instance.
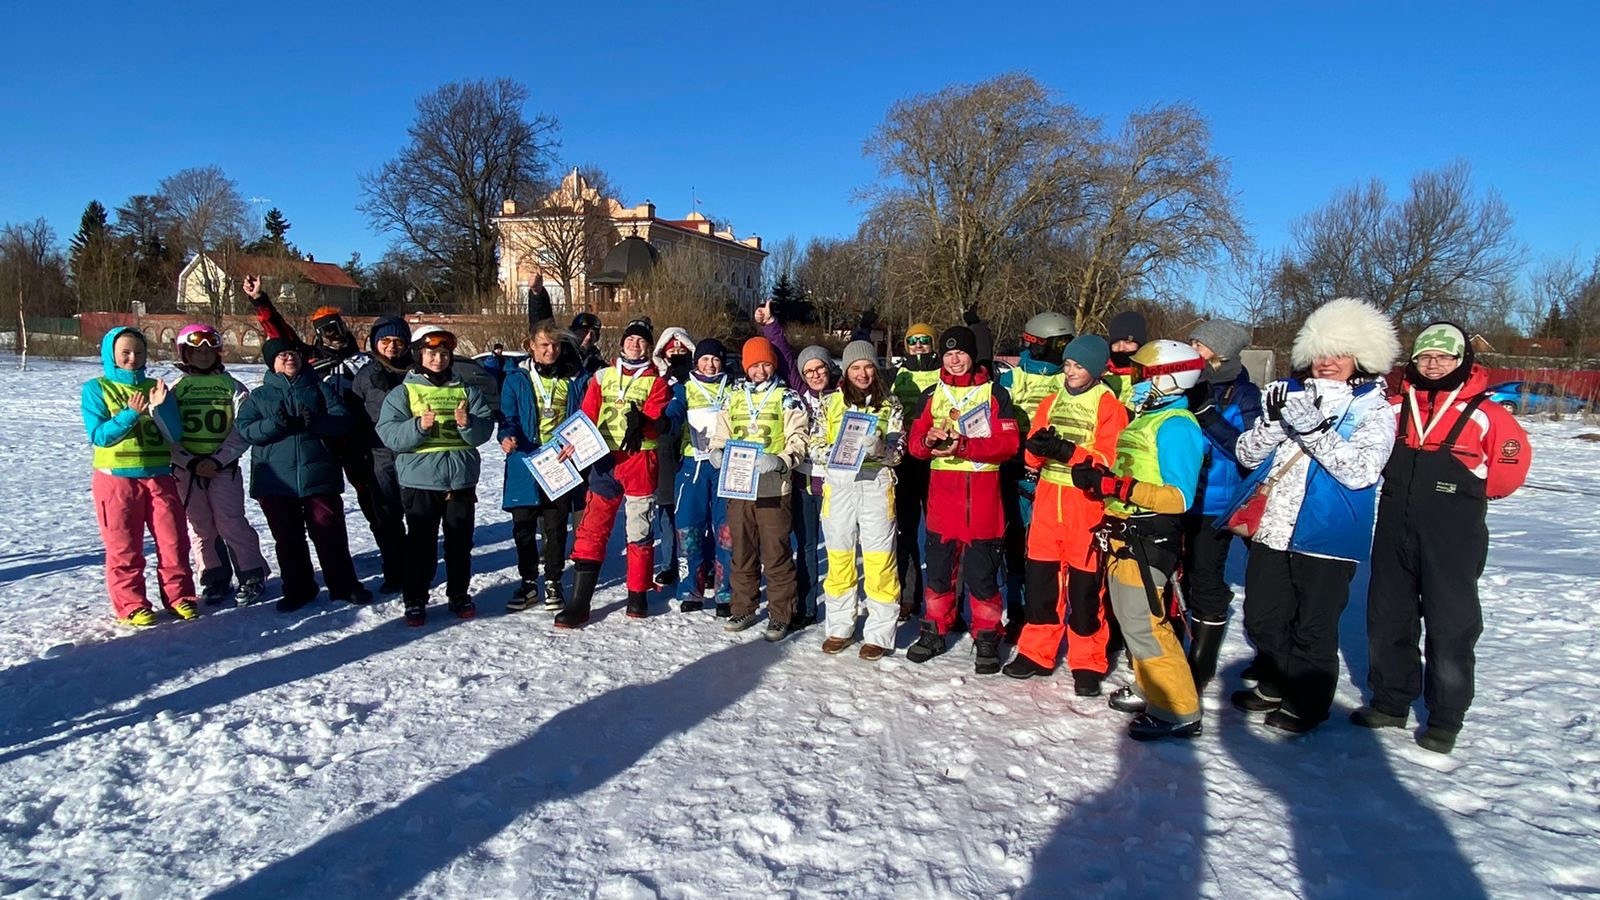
(1121, 360)
(1142, 394)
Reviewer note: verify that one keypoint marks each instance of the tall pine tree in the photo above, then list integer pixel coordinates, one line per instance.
(273, 241)
(101, 265)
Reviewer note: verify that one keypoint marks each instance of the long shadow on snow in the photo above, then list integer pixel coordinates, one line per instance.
(47, 695)
(1357, 831)
(47, 566)
(575, 751)
(1144, 836)
(310, 662)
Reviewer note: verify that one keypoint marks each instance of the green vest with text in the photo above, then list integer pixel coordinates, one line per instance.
(1074, 417)
(947, 415)
(618, 394)
(205, 406)
(444, 435)
(909, 386)
(1027, 391)
(144, 446)
(756, 415)
(1136, 454)
(704, 402)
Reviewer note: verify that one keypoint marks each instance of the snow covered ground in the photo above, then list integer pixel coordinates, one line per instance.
(336, 753)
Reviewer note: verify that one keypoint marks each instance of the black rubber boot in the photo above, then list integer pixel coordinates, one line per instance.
(1205, 644)
(638, 604)
(987, 661)
(585, 575)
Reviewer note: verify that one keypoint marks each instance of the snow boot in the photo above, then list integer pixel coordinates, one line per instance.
(554, 601)
(691, 604)
(464, 608)
(1288, 722)
(1146, 727)
(416, 615)
(666, 578)
(1254, 700)
(1372, 717)
(724, 610)
(585, 575)
(777, 631)
(359, 596)
(1126, 699)
(525, 596)
(1205, 643)
(1023, 667)
(1086, 682)
(739, 623)
(638, 604)
(987, 646)
(1439, 740)
(929, 643)
(249, 592)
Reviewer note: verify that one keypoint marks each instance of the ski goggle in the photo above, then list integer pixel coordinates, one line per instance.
(919, 340)
(330, 326)
(438, 340)
(201, 337)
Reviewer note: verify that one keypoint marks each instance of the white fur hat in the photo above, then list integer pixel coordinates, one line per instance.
(1350, 327)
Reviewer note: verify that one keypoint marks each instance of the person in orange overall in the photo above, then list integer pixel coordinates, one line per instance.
(1077, 424)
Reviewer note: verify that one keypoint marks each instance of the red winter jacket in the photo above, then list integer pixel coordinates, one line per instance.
(965, 506)
(1493, 445)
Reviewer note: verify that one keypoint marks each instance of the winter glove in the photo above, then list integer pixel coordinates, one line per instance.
(1050, 445)
(1100, 483)
(970, 314)
(770, 462)
(633, 435)
(1199, 398)
(871, 446)
(1273, 398)
(291, 424)
(868, 319)
(1301, 415)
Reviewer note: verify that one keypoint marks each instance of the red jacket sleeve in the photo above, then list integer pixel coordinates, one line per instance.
(1506, 452)
(273, 324)
(655, 402)
(1004, 438)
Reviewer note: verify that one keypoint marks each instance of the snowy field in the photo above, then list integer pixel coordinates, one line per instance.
(336, 753)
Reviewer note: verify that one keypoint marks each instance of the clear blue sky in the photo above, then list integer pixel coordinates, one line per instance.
(763, 108)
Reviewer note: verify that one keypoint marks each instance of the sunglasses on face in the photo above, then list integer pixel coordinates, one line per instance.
(919, 341)
(202, 339)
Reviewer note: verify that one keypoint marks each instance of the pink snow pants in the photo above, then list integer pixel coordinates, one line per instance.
(126, 508)
(216, 509)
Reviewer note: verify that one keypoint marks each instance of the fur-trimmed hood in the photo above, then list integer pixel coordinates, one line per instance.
(1350, 327)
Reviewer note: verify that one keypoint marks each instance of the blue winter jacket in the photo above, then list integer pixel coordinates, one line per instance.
(290, 424)
(103, 428)
(519, 410)
(1238, 407)
(1334, 520)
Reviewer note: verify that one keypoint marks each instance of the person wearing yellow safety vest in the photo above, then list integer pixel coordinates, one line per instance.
(761, 410)
(918, 371)
(858, 506)
(1080, 423)
(627, 401)
(133, 487)
(290, 422)
(205, 460)
(1150, 486)
(434, 422)
(533, 401)
(706, 551)
(966, 429)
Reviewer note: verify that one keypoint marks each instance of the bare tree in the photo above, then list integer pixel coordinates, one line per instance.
(145, 222)
(471, 147)
(682, 289)
(1439, 252)
(33, 277)
(1159, 204)
(783, 260)
(209, 217)
(571, 229)
(972, 174)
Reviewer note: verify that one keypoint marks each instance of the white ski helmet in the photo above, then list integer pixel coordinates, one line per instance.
(1046, 335)
(1171, 367)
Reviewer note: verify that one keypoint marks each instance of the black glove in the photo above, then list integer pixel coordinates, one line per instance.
(1199, 397)
(633, 435)
(970, 314)
(1273, 398)
(1050, 445)
(869, 318)
(292, 424)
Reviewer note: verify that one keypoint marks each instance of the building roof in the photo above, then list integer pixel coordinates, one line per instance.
(632, 256)
(325, 274)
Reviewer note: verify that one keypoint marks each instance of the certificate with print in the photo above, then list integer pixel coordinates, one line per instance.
(974, 423)
(588, 447)
(555, 476)
(737, 478)
(849, 452)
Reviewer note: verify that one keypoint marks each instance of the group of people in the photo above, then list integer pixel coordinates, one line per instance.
(1086, 495)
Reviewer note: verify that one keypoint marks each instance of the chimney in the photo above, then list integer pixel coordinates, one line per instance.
(508, 207)
(310, 258)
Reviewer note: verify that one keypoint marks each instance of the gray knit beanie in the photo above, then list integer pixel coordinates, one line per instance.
(1226, 339)
(859, 350)
(810, 353)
